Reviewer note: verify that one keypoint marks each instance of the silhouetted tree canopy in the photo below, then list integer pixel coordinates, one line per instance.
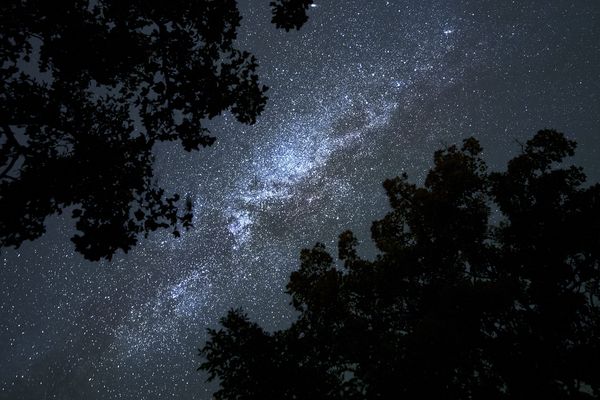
(87, 88)
(290, 14)
(486, 286)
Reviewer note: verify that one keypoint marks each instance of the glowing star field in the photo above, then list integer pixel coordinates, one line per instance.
(364, 91)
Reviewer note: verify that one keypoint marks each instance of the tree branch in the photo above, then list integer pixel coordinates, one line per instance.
(11, 140)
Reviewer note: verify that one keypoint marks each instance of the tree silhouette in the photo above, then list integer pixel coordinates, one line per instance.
(89, 87)
(290, 14)
(455, 306)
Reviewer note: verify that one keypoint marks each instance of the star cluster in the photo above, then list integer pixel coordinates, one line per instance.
(363, 92)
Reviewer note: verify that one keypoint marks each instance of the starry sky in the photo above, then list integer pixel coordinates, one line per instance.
(367, 89)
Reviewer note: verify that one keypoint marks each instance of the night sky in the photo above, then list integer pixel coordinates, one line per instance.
(365, 90)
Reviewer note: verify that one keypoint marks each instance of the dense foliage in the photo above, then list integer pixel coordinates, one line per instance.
(486, 286)
(290, 14)
(87, 88)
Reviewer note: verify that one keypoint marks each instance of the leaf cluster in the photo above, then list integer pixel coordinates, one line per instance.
(486, 286)
(87, 88)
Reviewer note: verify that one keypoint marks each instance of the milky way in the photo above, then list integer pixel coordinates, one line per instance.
(365, 91)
